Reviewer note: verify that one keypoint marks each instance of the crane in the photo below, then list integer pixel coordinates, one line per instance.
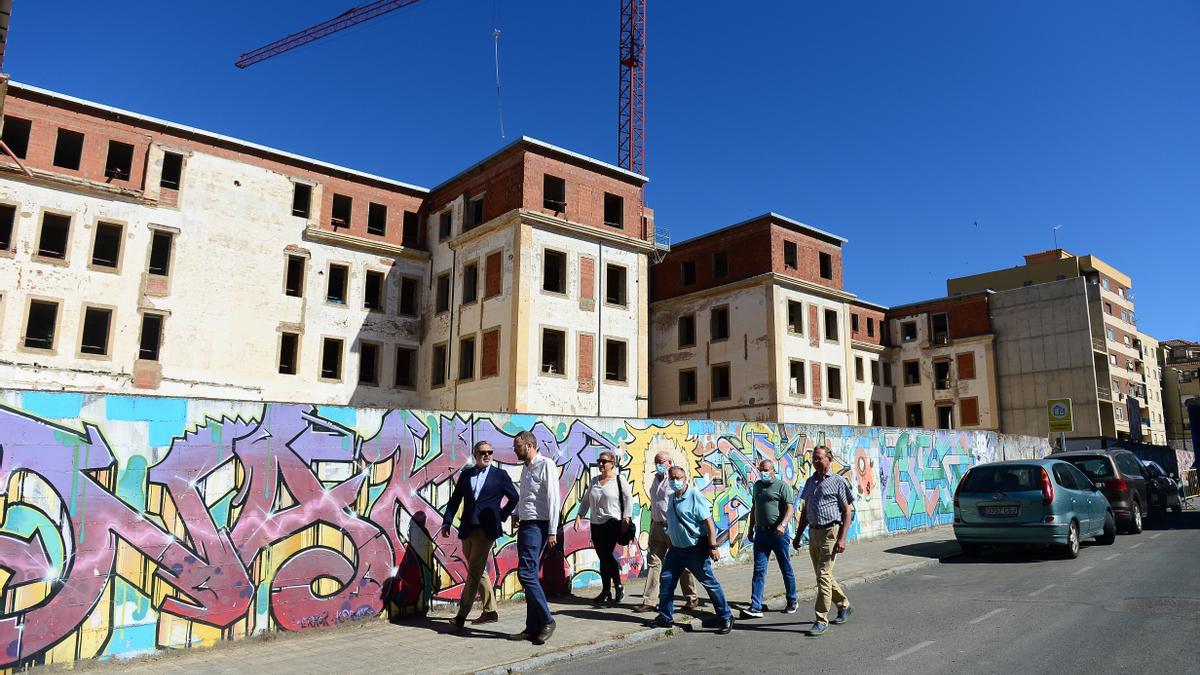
(631, 106)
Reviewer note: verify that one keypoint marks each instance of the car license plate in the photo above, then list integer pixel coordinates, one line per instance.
(999, 510)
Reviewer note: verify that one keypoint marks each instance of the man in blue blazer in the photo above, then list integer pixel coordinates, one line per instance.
(479, 489)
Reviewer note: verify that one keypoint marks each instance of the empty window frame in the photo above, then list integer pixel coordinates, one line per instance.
(474, 215)
(331, 358)
(718, 324)
(68, 149)
(97, 322)
(374, 291)
(376, 219)
(554, 193)
(466, 358)
(908, 331)
(861, 412)
(411, 236)
(8, 221)
(687, 272)
(118, 164)
(293, 283)
(687, 386)
(854, 323)
(720, 264)
(791, 255)
(887, 374)
(16, 135)
(859, 370)
(172, 171)
(912, 373)
(831, 325)
(941, 374)
(889, 415)
(301, 200)
(151, 337)
(160, 253)
(614, 210)
(945, 417)
(289, 352)
(470, 289)
(913, 416)
(795, 317)
(615, 358)
(442, 293)
(687, 331)
(445, 225)
(554, 348)
(106, 245)
(409, 296)
(826, 266)
(335, 293)
(614, 285)
(41, 324)
(405, 375)
(720, 382)
(939, 325)
(343, 210)
(554, 271)
(833, 382)
(368, 363)
(876, 413)
(797, 385)
(874, 371)
(55, 234)
(870, 327)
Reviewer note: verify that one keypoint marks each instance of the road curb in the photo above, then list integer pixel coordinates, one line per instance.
(647, 634)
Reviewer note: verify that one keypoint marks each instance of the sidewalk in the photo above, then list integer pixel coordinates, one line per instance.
(427, 645)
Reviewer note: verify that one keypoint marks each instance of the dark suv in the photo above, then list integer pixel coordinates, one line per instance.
(1164, 492)
(1118, 474)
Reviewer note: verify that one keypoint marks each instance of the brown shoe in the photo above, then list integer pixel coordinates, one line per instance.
(486, 617)
(641, 609)
(692, 603)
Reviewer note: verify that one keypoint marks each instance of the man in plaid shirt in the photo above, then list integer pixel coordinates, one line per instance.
(827, 514)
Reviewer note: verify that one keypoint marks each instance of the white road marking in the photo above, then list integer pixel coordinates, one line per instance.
(915, 648)
(1156, 536)
(1078, 572)
(1041, 590)
(1111, 557)
(985, 617)
(1137, 545)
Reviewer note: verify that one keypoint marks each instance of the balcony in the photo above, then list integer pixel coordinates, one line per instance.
(1103, 393)
(1099, 344)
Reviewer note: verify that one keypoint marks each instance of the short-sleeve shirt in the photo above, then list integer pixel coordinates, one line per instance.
(823, 498)
(686, 516)
(770, 502)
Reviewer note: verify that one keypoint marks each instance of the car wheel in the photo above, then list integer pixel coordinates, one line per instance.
(1071, 550)
(970, 550)
(1110, 530)
(1135, 522)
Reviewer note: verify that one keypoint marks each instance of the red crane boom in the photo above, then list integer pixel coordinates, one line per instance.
(347, 19)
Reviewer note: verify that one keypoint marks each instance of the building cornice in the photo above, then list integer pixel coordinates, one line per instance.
(542, 220)
(351, 241)
(868, 346)
(81, 186)
(773, 278)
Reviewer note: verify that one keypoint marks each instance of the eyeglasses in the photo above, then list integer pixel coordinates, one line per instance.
(485, 453)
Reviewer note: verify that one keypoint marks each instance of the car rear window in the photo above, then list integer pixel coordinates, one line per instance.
(1094, 467)
(1003, 479)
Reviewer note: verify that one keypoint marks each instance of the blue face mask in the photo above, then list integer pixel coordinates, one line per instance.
(766, 477)
(660, 469)
(678, 484)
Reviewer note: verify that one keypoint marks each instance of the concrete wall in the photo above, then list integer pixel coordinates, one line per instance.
(131, 524)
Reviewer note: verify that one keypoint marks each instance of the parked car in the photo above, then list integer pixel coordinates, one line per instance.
(1043, 501)
(1163, 490)
(1118, 474)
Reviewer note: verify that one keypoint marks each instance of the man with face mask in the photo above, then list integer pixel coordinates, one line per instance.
(660, 495)
(826, 511)
(693, 547)
(769, 520)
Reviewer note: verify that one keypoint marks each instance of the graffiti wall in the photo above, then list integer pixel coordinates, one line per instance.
(130, 524)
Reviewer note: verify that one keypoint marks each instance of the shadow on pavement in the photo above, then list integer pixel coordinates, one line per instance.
(1187, 520)
(928, 549)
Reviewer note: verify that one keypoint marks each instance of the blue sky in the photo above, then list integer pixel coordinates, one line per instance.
(898, 125)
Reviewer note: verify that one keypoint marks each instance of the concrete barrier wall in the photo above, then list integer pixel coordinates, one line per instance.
(131, 524)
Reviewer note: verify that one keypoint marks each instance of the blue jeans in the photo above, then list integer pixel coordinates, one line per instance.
(767, 542)
(531, 541)
(694, 559)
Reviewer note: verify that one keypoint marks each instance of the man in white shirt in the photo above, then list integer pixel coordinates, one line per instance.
(660, 494)
(538, 513)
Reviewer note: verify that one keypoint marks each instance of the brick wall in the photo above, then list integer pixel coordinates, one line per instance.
(968, 314)
(877, 321)
(809, 249)
(744, 248)
(585, 192)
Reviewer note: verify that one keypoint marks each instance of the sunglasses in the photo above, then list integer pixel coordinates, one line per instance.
(604, 461)
(485, 453)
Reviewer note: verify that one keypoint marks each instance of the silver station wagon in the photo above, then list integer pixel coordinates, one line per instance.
(1045, 502)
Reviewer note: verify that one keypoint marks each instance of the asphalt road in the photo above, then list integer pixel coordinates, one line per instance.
(1131, 606)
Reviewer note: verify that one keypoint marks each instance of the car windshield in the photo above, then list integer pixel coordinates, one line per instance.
(1094, 467)
(1003, 479)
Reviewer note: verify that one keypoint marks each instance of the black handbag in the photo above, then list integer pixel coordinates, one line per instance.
(626, 531)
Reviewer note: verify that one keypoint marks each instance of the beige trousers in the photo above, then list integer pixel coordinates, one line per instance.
(658, 545)
(821, 541)
(477, 547)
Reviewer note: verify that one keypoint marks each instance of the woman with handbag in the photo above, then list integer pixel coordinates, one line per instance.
(608, 505)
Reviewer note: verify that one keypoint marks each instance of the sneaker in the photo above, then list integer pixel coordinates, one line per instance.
(818, 629)
(843, 615)
(791, 608)
(750, 613)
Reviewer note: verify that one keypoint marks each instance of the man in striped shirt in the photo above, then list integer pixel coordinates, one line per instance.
(827, 514)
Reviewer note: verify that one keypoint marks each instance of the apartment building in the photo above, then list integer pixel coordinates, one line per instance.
(1150, 394)
(142, 256)
(1039, 319)
(751, 322)
(1180, 360)
(943, 352)
(874, 395)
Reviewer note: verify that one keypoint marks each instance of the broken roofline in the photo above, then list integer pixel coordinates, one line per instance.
(770, 215)
(550, 149)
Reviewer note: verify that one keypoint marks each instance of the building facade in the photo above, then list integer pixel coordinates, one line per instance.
(1150, 394)
(1180, 361)
(142, 256)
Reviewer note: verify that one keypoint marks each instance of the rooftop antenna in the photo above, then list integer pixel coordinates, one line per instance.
(1056, 228)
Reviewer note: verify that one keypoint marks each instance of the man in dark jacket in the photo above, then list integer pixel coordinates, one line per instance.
(479, 489)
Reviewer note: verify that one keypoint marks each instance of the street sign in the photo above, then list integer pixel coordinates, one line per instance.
(1058, 411)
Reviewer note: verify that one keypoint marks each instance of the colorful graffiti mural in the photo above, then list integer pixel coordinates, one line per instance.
(130, 524)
